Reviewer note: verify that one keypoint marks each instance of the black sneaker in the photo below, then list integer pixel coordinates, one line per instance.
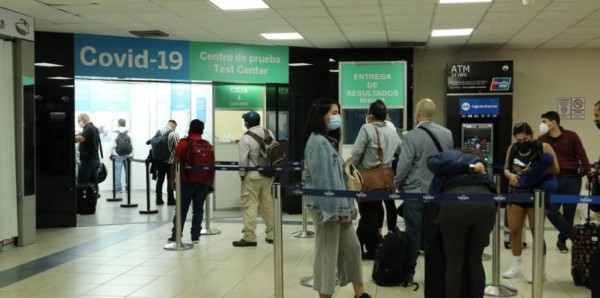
(562, 246)
(160, 202)
(270, 241)
(243, 243)
(195, 240)
(170, 202)
(364, 295)
(171, 239)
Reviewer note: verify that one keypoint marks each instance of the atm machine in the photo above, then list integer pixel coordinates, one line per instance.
(479, 136)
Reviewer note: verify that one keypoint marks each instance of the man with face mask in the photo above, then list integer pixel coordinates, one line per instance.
(573, 163)
(89, 144)
(412, 174)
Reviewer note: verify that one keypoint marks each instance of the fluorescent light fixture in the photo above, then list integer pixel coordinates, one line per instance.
(59, 78)
(68, 86)
(46, 64)
(282, 36)
(239, 4)
(300, 64)
(451, 32)
(334, 70)
(331, 60)
(463, 1)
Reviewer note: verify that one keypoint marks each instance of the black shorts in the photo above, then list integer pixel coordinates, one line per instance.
(526, 205)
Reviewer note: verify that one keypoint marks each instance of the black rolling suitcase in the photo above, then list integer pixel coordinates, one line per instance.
(86, 199)
(585, 244)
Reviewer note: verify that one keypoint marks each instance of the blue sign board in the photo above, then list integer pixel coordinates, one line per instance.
(83, 90)
(201, 108)
(479, 106)
(120, 57)
(180, 97)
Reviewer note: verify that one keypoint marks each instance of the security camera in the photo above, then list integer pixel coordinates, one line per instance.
(505, 67)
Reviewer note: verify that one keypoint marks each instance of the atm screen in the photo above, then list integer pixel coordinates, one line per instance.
(479, 136)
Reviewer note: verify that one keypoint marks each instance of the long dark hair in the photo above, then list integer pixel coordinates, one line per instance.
(316, 124)
(522, 127)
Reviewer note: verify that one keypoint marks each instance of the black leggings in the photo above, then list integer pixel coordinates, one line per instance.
(465, 229)
(371, 220)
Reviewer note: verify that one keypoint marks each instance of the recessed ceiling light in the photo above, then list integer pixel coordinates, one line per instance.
(300, 64)
(282, 36)
(331, 60)
(239, 4)
(451, 32)
(59, 78)
(463, 1)
(46, 64)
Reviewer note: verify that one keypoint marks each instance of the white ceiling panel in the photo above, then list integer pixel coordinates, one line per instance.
(311, 21)
(408, 9)
(546, 23)
(592, 44)
(524, 45)
(343, 3)
(359, 11)
(302, 12)
(408, 35)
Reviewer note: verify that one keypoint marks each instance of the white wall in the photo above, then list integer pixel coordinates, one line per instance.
(8, 170)
(540, 76)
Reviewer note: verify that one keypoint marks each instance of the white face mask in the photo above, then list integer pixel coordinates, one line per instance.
(544, 128)
(80, 123)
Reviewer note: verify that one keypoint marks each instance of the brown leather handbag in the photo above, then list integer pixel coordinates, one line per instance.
(380, 178)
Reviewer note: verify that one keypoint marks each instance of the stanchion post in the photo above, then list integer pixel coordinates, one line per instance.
(278, 239)
(128, 170)
(178, 245)
(537, 290)
(305, 233)
(114, 192)
(496, 289)
(207, 218)
(148, 211)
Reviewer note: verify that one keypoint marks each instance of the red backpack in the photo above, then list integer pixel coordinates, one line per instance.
(200, 153)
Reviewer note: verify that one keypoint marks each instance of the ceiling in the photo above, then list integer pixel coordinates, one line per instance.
(502, 24)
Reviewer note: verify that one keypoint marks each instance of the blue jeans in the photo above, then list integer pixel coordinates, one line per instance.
(413, 219)
(564, 222)
(88, 173)
(194, 193)
(120, 165)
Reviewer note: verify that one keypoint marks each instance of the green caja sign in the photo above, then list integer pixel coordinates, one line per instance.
(222, 62)
(361, 83)
(239, 97)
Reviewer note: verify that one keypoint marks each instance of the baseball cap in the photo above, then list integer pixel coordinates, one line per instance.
(251, 116)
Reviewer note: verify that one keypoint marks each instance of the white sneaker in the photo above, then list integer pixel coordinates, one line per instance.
(512, 272)
(530, 279)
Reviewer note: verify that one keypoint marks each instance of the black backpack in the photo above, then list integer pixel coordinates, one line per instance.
(123, 141)
(160, 146)
(391, 260)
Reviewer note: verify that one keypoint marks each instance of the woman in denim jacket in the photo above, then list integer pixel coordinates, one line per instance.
(337, 250)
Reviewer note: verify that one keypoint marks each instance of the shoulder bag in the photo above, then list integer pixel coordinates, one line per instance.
(380, 178)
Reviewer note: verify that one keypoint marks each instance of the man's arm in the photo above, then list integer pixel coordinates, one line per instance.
(244, 151)
(359, 146)
(581, 155)
(405, 160)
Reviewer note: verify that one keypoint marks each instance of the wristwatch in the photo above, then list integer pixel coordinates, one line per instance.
(471, 168)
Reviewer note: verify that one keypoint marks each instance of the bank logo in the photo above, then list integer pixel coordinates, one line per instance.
(466, 106)
(500, 84)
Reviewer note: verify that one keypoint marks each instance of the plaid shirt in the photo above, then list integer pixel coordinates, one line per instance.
(172, 142)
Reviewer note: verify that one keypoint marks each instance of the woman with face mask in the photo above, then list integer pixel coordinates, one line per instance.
(337, 250)
(529, 164)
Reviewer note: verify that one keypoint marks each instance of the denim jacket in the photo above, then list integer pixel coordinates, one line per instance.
(325, 170)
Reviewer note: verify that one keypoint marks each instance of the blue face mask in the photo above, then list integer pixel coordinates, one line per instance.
(334, 122)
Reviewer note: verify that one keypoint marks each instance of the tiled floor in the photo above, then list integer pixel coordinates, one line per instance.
(128, 260)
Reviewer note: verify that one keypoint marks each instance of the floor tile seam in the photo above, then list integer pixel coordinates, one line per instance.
(16, 276)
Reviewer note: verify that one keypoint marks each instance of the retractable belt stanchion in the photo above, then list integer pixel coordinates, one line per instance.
(305, 233)
(208, 231)
(128, 205)
(537, 290)
(178, 245)
(114, 195)
(496, 289)
(148, 211)
(278, 239)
